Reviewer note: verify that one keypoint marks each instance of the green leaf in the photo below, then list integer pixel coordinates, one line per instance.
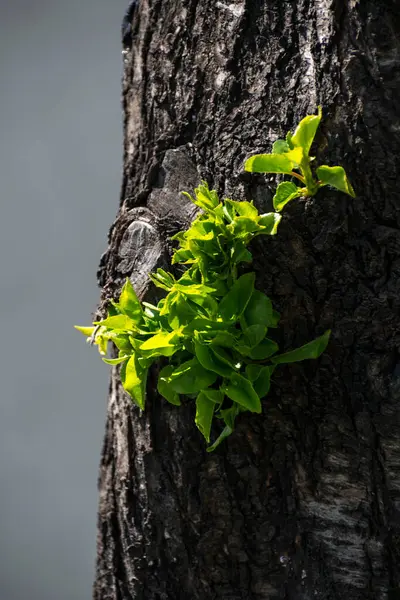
(285, 192)
(115, 361)
(226, 432)
(254, 334)
(235, 301)
(335, 177)
(242, 226)
(208, 197)
(280, 147)
(311, 350)
(260, 376)
(122, 342)
(268, 163)
(134, 379)
(164, 343)
(270, 221)
(194, 290)
(229, 415)
(118, 322)
(164, 387)
(129, 302)
(244, 209)
(264, 350)
(239, 252)
(87, 331)
(258, 311)
(224, 339)
(210, 361)
(215, 396)
(181, 255)
(204, 414)
(305, 131)
(162, 279)
(240, 390)
(190, 377)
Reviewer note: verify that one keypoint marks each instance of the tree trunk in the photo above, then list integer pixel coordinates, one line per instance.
(303, 501)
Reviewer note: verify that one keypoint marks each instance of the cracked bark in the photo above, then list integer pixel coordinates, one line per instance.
(302, 502)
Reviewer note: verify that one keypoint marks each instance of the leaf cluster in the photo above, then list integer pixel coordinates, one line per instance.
(291, 157)
(213, 327)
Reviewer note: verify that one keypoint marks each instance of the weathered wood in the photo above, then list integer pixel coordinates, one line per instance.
(302, 502)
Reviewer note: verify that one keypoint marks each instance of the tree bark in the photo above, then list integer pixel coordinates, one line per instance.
(303, 501)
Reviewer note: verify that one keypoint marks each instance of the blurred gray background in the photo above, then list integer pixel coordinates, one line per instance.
(60, 173)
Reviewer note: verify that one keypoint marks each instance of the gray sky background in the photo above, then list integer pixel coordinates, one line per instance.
(60, 173)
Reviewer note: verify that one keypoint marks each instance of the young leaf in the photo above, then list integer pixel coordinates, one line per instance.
(226, 432)
(335, 177)
(234, 303)
(206, 198)
(244, 209)
(118, 322)
(162, 344)
(164, 387)
(87, 331)
(280, 147)
(134, 380)
(190, 377)
(240, 390)
(270, 221)
(204, 414)
(115, 361)
(285, 192)
(305, 131)
(129, 302)
(311, 350)
(269, 163)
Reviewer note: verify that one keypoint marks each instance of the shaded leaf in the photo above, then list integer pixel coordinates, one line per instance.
(235, 301)
(204, 414)
(311, 350)
(190, 377)
(270, 221)
(264, 350)
(164, 387)
(240, 390)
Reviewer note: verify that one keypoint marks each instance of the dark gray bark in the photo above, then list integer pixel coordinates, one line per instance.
(302, 502)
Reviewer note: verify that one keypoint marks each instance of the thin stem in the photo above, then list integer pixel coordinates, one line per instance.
(293, 174)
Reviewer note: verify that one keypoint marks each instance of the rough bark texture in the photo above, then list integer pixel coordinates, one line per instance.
(302, 502)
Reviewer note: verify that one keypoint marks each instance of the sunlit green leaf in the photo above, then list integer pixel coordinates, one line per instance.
(280, 147)
(118, 322)
(164, 343)
(305, 131)
(268, 163)
(244, 209)
(129, 302)
(115, 361)
(335, 177)
(285, 192)
(270, 221)
(134, 380)
(87, 331)
(313, 349)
